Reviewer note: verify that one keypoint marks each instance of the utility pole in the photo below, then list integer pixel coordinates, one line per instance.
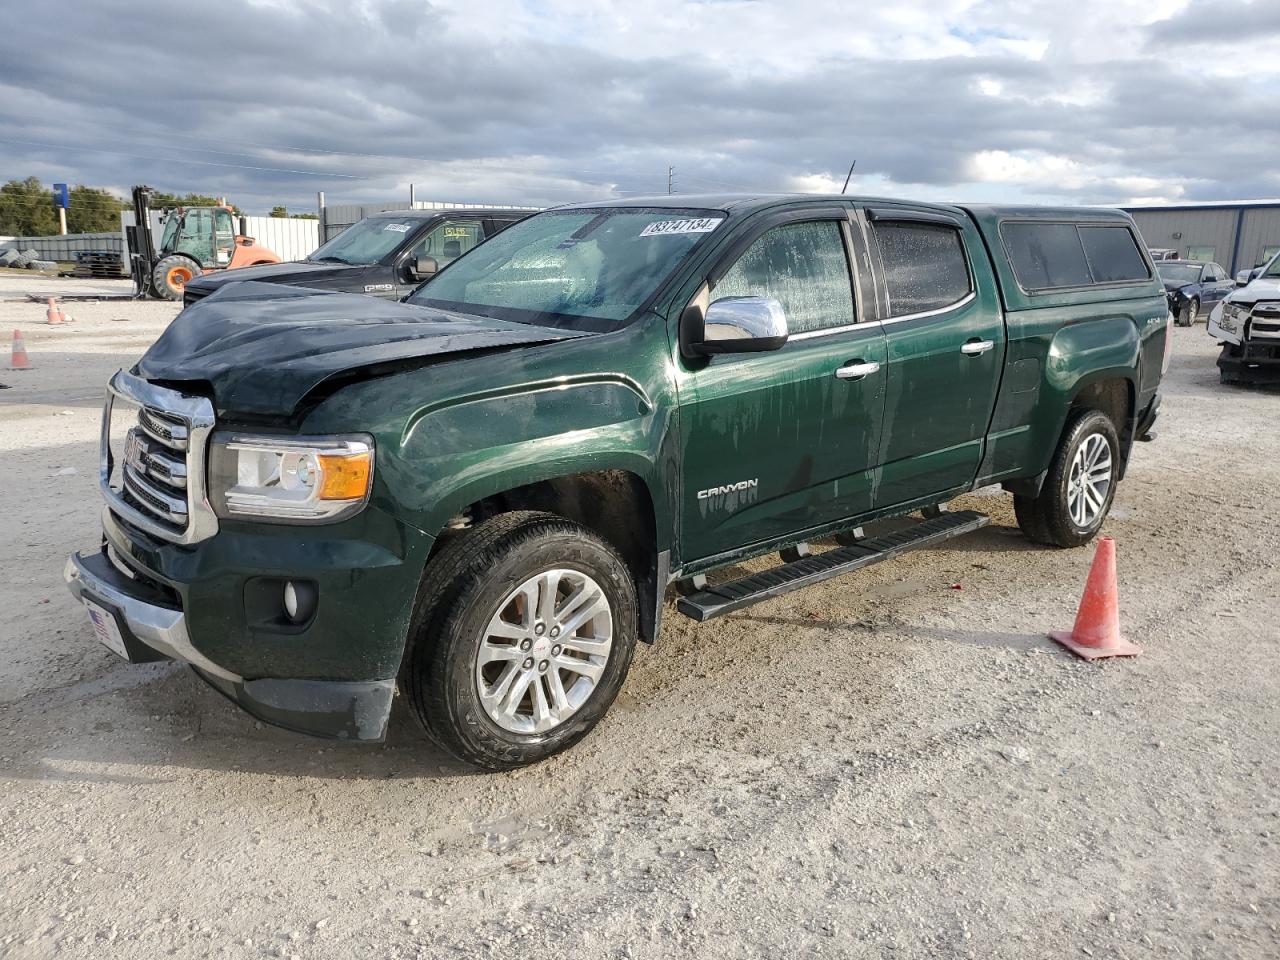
(671, 180)
(412, 198)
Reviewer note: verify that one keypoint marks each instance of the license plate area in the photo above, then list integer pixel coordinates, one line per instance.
(106, 628)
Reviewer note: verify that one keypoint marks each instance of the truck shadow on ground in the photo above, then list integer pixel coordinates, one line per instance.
(860, 632)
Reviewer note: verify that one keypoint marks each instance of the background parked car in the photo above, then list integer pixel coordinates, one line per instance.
(385, 255)
(1193, 287)
(1162, 253)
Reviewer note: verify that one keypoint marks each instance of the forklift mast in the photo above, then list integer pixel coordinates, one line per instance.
(142, 248)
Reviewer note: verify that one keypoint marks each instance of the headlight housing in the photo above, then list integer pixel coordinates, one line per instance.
(289, 479)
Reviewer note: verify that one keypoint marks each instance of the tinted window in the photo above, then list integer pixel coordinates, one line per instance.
(1113, 255)
(924, 266)
(1046, 255)
(803, 266)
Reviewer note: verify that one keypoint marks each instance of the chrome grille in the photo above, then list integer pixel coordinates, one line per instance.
(153, 450)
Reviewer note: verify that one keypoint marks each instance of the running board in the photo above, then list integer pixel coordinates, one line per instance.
(725, 598)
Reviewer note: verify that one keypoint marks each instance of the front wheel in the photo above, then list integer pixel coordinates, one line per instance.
(1080, 486)
(172, 274)
(1189, 313)
(523, 639)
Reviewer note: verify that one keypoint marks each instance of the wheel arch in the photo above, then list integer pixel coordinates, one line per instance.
(615, 503)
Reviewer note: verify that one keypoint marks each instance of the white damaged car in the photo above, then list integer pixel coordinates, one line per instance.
(1247, 324)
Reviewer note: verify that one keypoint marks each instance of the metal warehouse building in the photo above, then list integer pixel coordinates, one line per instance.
(1237, 234)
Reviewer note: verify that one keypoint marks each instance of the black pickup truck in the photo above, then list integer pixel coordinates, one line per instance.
(386, 254)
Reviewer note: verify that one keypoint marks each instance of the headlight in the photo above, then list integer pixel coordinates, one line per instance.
(1233, 315)
(290, 479)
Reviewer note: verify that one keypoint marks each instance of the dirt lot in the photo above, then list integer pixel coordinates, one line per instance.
(884, 766)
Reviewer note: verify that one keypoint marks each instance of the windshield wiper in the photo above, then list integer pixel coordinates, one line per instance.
(330, 260)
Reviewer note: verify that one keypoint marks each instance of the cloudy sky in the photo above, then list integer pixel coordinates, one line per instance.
(549, 101)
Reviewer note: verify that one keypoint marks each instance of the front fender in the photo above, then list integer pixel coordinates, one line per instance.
(456, 452)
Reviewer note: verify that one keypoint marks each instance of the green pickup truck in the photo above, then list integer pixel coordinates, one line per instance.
(480, 496)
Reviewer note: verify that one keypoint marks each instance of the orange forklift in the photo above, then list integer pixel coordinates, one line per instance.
(195, 240)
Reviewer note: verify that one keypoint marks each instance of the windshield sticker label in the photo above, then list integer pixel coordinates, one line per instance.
(396, 228)
(663, 227)
(462, 232)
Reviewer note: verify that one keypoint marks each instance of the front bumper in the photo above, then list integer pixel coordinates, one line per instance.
(154, 629)
(1254, 361)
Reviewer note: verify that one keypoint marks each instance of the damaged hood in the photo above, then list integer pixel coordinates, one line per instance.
(263, 347)
(1267, 288)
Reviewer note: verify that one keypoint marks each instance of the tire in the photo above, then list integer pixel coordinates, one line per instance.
(172, 274)
(1189, 313)
(472, 584)
(1054, 517)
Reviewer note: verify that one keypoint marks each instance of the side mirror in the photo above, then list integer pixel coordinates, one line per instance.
(244, 226)
(422, 267)
(739, 325)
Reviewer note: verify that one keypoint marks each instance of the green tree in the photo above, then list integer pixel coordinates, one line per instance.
(278, 212)
(93, 211)
(26, 209)
(304, 216)
(161, 201)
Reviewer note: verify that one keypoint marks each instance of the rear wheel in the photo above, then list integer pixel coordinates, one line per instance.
(1079, 488)
(523, 640)
(172, 274)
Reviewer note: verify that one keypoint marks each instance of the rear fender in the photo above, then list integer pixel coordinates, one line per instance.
(1080, 356)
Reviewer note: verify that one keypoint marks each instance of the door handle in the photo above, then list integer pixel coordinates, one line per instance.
(857, 370)
(976, 348)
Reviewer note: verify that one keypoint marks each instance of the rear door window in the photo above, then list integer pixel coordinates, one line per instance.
(1113, 254)
(925, 267)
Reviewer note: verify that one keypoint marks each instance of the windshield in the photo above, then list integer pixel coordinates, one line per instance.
(1179, 273)
(585, 269)
(367, 241)
(1273, 268)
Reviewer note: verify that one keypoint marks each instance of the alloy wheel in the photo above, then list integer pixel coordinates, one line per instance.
(1090, 480)
(543, 651)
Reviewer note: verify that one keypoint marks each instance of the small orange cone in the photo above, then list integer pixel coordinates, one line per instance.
(54, 314)
(1097, 631)
(19, 359)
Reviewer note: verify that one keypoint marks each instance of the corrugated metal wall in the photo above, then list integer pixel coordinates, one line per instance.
(1216, 227)
(335, 219)
(1260, 230)
(66, 248)
(290, 239)
(1183, 229)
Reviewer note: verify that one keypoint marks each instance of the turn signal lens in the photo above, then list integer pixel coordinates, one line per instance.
(345, 477)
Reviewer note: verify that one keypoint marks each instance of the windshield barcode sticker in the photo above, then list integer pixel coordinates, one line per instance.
(662, 227)
(396, 227)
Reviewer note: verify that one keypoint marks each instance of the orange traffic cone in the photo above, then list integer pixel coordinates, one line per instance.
(19, 360)
(1097, 630)
(54, 314)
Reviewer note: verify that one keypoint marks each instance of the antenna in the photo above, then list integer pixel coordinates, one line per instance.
(849, 177)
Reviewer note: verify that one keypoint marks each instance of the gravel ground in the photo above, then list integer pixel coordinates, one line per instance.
(882, 766)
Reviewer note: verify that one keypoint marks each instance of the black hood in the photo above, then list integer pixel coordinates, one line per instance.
(1173, 287)
(263, 347)
(297, 271)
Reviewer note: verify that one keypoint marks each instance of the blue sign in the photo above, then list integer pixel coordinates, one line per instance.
(60, 197)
